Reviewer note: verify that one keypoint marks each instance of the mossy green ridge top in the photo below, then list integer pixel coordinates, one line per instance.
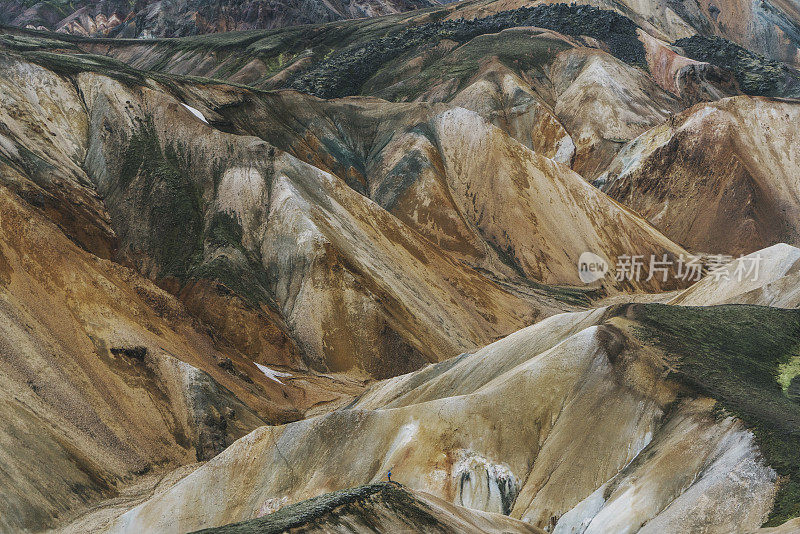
(735, 354)
(307, 511)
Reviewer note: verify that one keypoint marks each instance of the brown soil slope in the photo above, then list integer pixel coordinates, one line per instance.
(719, 178)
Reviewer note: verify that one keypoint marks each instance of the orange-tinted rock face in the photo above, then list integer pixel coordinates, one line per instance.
(107, 382)
(258, 333)
(84, 23)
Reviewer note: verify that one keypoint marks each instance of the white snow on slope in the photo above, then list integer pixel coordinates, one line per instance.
(195, 112)
(272, 374)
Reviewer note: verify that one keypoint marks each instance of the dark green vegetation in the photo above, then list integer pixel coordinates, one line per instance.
(733, 354)
(66, 58)
(410, 510)
(346, 71)
(164, 190)
(159, 183)
(515, 48)
(63, 55)
(232, 266)
(756, 74)
(167, 197)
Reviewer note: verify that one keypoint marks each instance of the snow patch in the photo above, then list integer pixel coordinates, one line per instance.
(196, 112)
(271, 373)
(404, 437)
(565, 150)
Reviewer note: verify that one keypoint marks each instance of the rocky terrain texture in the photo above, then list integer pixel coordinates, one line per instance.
(746, 175)
(173, 18)
(602, 419)
(244, 275)
(375, 508)
(768, 28)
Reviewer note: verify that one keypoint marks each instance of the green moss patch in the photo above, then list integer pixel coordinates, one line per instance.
(735, 355)
(410, 511)
(69, 64)
(161, 180)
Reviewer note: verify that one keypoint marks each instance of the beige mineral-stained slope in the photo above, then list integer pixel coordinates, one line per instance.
(44, 142)
(470, 371)
(603, 103)
(575, 425)
(768, 28)
(458, 180)
(768, 277)
(719, 178)
(104, 376)
(383, 150)
(562, 96)
(397, 282)
(509, 102)
(46, 148)
(524, 203)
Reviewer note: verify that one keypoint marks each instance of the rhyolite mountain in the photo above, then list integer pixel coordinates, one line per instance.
(177, 18)
(245, 274)
(769, 28)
